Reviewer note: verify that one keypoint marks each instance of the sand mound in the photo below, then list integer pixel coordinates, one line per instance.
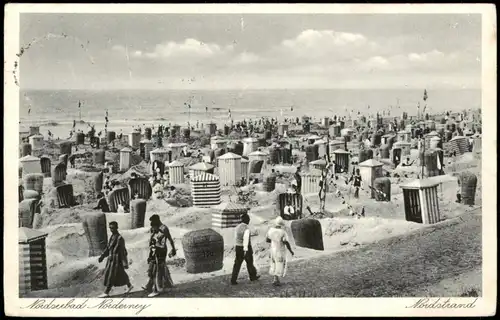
(64, 216)
(65, 242)
(192, 218)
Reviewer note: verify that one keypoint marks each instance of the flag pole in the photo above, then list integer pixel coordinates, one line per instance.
(423, 158)
(80, 110)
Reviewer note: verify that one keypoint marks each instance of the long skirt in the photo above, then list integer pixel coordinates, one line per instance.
(159, 277)
(114, 273)
(278, 266)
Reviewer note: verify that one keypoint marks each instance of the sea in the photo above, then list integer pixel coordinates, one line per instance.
(55, 110)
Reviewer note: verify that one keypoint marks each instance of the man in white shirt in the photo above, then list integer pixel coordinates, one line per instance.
(288, 211)
(244, 252)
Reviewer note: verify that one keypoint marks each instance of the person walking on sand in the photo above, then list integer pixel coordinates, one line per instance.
(278, 238)
(158, 272)
(298, 180)
(72, 160)
(102, 204)
(244, 252)
(114, 273)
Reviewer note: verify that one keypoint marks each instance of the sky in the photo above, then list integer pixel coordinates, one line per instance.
(251, 51)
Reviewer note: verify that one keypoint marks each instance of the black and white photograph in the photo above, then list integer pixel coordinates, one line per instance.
(239, 151)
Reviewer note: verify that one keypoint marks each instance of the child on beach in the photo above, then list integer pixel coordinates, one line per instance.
(459, 193)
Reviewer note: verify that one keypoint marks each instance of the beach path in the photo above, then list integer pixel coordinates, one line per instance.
(395, 267)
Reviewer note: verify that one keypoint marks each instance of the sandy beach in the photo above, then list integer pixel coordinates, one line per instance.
(71, 271)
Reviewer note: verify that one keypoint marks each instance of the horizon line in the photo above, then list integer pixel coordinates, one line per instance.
(238, 89)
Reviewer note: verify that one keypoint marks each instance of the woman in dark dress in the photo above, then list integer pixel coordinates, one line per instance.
(114, 273)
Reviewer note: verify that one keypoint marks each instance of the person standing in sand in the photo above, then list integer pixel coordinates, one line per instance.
(114, 273)
(102, 204)
(298, 180)
(288, 210)
(357, 183)
(158, 272)
(459, 192)
(278, 238)
(244, 252)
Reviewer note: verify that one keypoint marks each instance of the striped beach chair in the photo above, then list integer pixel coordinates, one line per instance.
(206, 190)
(458, 145)
(117, 197)
(32, 261)
(296, 201)
(140, 186)
(227, 215)
(46, 166)
(65, 196)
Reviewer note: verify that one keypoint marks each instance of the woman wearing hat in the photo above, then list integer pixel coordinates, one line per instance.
(278, 238)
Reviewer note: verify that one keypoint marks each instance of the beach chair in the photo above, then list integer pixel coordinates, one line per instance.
(95, 142)
(27, 209)
(46, 166)
(118, 196)
(396, 156)
(296, 201)
(65, 196)
(256, 166)
(58, 174)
